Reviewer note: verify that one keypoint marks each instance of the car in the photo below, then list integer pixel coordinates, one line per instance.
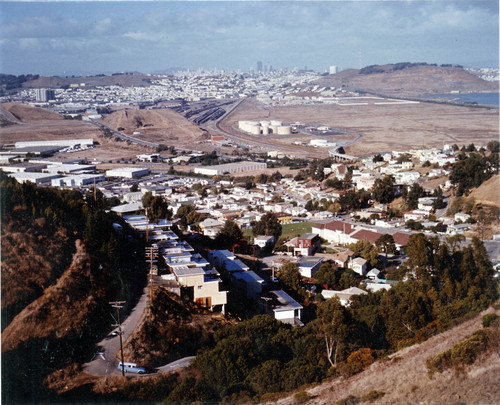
(131, 367)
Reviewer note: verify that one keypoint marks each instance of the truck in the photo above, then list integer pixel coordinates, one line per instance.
(131, 367)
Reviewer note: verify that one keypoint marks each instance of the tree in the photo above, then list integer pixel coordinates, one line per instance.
(332, 326)
(268, 225)
(386, 244)
(188, 215)
(366, 250)
(439, 200)
(229, 234)
(412, 196)
(156, 207)
(383, 189)
(290, 276)
(328, 275)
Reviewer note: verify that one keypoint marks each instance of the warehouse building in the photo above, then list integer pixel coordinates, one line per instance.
(37, 178)
(230, 168)
(128, 172)
(72, 143)
(77, 180)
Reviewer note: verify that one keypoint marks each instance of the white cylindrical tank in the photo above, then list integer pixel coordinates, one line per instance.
(265, 123)
(265, 130)
(277, 123)
(284, 130)
(274, 129)
(255, 129)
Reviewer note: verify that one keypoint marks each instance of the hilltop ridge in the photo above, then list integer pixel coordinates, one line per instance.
(409, 80)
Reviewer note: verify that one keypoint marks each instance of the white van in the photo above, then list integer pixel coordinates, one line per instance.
(131, 368)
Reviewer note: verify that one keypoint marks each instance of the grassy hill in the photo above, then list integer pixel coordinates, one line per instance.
(403, 377)
(160, 126)
(410, 81)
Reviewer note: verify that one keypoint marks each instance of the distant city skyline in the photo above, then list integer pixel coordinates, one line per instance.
(72, 38)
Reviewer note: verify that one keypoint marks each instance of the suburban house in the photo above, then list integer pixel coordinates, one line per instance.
(264, 241)
(335, 231)
(344, 296)
(282, 307)
(248, 283)
(309, 265)
(210, 227)
(305, 245)
(359, 265)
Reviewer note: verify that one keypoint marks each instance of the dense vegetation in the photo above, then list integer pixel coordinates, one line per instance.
(474, 167)
(10, 82)
(66, 258)
(261, 355)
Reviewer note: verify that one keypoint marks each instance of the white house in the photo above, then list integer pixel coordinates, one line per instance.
(359, 265)
(282, 307)
(344, 296)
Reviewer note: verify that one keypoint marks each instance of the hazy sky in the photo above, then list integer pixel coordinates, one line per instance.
(69, 37)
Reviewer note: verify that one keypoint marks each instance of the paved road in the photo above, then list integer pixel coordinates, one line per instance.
(105, 361)
(124, 137)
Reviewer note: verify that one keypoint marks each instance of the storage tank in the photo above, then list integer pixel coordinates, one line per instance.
(265, 130)
(254, 129)
(265, 123)
(277, 123)
(274, 129)
(284, 130)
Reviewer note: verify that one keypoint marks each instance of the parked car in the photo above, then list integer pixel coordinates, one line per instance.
(131, 368)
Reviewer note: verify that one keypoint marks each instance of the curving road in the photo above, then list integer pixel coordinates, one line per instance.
(105, 360)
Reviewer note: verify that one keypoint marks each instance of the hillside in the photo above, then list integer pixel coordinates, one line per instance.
(62, 262)
(488, 192)
(410, 81)
(160, 126)
(24, 113)
(404, 379)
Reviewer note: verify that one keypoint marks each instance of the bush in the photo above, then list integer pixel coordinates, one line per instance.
(462, 354)
(350, 400)
(302, 397)
(373, 395)
(489, 319)
(357, 361)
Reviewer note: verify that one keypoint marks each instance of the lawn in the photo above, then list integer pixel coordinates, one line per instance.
(289, 230)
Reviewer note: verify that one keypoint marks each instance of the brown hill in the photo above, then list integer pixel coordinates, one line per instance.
(489, 192)
(26, 113)
(160, 126)
(62, 309)
(409, 81)
(404, 379)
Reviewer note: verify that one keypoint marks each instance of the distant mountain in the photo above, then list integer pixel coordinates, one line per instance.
(408, 79)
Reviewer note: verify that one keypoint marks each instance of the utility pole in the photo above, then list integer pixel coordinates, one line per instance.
(151, 257)
(119, 305)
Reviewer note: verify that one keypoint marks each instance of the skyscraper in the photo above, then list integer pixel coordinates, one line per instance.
(259, 66)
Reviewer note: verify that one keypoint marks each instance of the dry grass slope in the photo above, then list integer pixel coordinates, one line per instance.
(62, 309)
(404, 376)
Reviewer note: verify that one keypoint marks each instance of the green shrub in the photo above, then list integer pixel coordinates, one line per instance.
(373, 395)
(350, 400)
(461, 354)
(489, 319)
(302, 397)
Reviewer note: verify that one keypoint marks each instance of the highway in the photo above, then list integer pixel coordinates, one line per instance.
(124, 137)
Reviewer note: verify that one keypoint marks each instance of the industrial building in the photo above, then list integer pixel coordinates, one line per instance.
(58, 142)
(68, 168)
(77, 180)
(128, 172)
(265, 127)
(37, 178)
(230, 168)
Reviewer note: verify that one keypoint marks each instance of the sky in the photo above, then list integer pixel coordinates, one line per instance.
(88, 37)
